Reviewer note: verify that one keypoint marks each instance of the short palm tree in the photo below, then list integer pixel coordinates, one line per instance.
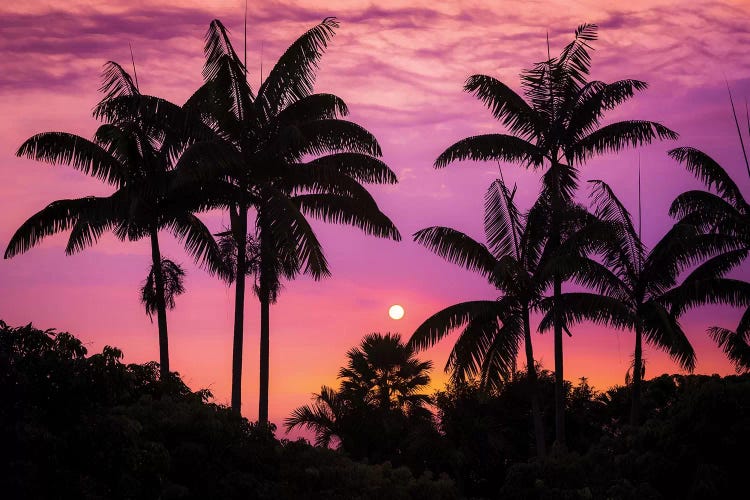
(515, 261)
(723, 215)
(137, 160)
(634, 287)
(261, 152)
(381, 384)
(557, 128)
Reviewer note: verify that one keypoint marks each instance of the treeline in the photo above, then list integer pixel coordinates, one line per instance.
(78, 426)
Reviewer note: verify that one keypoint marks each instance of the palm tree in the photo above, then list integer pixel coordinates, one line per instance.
(558, 128)
(635, 288)
(724, 217)
(137, 160)
(379, 392)
(515, 261)
(257, 153)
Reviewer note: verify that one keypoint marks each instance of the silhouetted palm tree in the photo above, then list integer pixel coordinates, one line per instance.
(515, 260)
(257, 152)
(723, 216)
(380, 384)
(558, 129)
(634, 287)
(137, 159)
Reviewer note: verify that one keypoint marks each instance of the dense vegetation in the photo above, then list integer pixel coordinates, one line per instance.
(78, 426)
(93, 427)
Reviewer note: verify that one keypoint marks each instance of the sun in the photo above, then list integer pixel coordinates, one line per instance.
(396, 312)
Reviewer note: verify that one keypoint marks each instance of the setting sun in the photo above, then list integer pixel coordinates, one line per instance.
(396, 312)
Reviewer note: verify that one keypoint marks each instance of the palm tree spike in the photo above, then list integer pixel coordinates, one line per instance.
(135, 73)
(739, 132)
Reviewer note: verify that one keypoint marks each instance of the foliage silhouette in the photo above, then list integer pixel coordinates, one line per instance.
(723, 216)
(137, 158)
(556, 127)
(634, 287)
(256, 157)
(378, 412)
(516, 260)
(78, 426)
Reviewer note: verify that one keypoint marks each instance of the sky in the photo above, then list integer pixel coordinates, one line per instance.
(400, 67)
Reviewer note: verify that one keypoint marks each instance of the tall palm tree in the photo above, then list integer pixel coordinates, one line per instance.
(382, 379)
(634, 286)
(723, 215)
(257, 152)
(515, 261)
(557, 128)
(137, 160)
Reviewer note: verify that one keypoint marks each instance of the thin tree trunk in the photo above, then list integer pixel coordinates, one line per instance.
(161, 307)
(240, 234)
(264, 359)
(559, 379)
(557, 292)
(265, 306)
(635, 408)
(536, 411)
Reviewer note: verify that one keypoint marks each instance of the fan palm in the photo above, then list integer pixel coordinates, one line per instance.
(382, 379)
(724, 216)
(137, 160)
(558, 128)
(635, 288)
(257, 152)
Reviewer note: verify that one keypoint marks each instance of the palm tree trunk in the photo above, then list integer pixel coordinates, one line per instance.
(559, 380)
(161, 307)
(635, 408)
(557, 292)
(265, 306)
(240, 234)
(536, 411)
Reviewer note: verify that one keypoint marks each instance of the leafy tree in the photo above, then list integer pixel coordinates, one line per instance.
(138, 160)
(258, 152)
(557, 128)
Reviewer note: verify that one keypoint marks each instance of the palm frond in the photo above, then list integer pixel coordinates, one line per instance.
(56, 217)
(502, 221)
(458, 248)
(327, 136)
(339, 209)
(293, 76)
(116, 82)
(734, 346)
(492, 147)
(617, 136)
(505, 105)
(582, 306)
(437, 326)
(79, 153)
(713, 175)
(198, 242)
(289, 229)
(662, 330)
(358, 166)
